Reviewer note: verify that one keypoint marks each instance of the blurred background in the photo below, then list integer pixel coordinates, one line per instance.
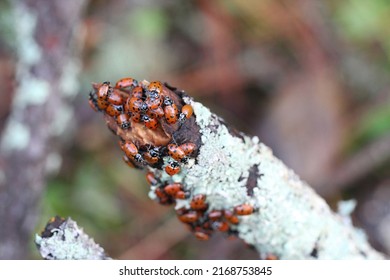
(310, 78)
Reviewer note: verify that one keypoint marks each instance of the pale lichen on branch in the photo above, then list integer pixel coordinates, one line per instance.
(63, 239)
(227, 181)
(292, 221)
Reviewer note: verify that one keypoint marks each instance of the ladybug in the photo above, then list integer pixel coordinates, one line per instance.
(128, 162)
(172, 168)
(129, 148)
(170, 110)
(181, 195)
(173, 188)
(202, 235)
(155, 88)
(215, 215)
(186, 112)
(103, 91)
(131, 151)
(136, 105)
(163, 198)
(114, 97)
(221, 226)
(187, 148)
(189, 217)
(152, 156)
(150, 123)
(151, 179)
(153, 103)
(150, 159)
(123, 120)
(136, 117)
(198, 202)
(114, 110)
(155, 113)
(243, 209)
(93, 105)
(102, 104)
(176, 152)
(229, 215)
(204, 225)
(126, 82)
(138, 92)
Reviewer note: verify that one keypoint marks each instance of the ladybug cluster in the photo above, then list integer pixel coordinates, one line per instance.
(131, 105)
(203, 222)
(198, 217)
(166, 192)
(130, 102)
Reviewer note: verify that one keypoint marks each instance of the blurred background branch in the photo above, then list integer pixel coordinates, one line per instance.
(39, 113)
(311, 78)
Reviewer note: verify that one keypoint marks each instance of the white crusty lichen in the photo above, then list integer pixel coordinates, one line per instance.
(291, 220)
(69, 242)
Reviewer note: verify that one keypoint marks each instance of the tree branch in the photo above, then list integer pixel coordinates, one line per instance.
(229, 175)
(64, 240)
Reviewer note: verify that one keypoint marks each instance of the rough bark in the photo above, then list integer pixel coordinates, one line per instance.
(46, 78)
